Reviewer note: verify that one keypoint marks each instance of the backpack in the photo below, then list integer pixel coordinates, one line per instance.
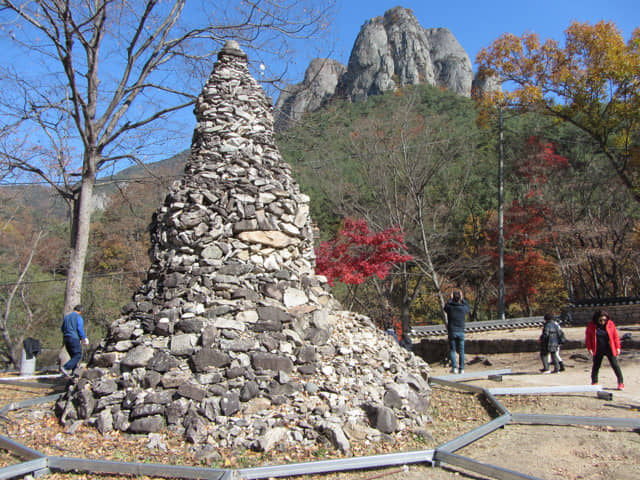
(561, 336)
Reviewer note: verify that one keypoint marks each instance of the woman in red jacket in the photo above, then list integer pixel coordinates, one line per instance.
(603, 341)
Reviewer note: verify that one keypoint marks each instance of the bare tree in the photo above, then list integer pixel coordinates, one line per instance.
(12, 337)
(109, 77)
(413, 169)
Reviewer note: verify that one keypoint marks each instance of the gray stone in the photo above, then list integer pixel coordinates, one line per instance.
(106, 359)
(227, 323)
(151, 379)
(190, 325)
(386, 420)
(317, 336)
(249, 390)
(212, 252)
(230, 403)
(294, 297)
(419, 402)
(146, 410)
(104, 421)
(86, 403)
(209, 357)
(162, 397)
(114, 399)
(192, 391)
(162, 362)
(155, 423)
(210, 408)
(267, 314)
(138, 357)
(121, 421)
(269, 361)
(239, 345)
(175, 378)
(392, 399)
(104, 386)
(338, 438)
(183, 344)
(306, 354)
(176, 411)
(271, 438)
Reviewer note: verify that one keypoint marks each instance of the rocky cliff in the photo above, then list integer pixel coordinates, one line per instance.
(389, 52)
(320, 81)
(233, 341)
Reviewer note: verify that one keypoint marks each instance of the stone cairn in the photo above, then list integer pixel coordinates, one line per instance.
(233, 341)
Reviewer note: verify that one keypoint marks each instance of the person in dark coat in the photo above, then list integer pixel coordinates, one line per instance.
(72, 334)
(561, 339)
(456, 309)
(549, 344)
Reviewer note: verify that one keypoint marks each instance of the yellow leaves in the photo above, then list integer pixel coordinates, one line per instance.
(594, 56)
(531, 42)
(592, 81)
(531, 94)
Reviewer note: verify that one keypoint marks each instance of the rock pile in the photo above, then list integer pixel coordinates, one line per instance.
(233, 341)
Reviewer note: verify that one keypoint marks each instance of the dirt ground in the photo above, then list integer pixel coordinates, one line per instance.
(541, 451)
(534, 451)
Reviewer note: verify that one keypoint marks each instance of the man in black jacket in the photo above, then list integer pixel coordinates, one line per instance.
(456, 309)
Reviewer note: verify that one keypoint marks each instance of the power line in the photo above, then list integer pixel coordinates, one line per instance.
(64, 279)
(145, 179)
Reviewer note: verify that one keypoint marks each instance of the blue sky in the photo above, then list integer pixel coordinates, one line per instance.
(476, 24)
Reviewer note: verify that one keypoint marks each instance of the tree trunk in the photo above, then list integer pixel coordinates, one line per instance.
(80, 228)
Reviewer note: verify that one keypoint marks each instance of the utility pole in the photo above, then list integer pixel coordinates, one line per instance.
(501, 315)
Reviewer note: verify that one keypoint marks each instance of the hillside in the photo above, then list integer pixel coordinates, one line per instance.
(382, 159)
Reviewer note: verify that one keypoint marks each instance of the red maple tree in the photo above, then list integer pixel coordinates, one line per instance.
(356, 253)
(527, 269)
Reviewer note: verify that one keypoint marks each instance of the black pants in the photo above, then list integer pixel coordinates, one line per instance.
(554, 357)
(597, 361)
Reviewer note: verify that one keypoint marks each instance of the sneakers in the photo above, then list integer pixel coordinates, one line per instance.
(461, 371)
(621, 386)
(546, 371)
(65, 372)
(454, 370)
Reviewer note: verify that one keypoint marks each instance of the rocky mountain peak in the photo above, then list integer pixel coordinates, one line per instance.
(389, 52)
(320, 81)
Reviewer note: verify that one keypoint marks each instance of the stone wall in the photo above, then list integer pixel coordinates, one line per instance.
(623, 312)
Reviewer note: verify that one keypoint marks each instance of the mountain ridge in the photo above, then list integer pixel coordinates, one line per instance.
(391, 51)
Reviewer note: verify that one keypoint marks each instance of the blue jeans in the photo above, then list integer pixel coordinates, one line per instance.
(456, 345)
(74, 349)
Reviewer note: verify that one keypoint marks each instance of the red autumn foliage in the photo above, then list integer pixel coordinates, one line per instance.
(527, 270)
(356, 253)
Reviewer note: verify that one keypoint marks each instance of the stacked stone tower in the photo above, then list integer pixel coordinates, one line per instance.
(233, 341)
